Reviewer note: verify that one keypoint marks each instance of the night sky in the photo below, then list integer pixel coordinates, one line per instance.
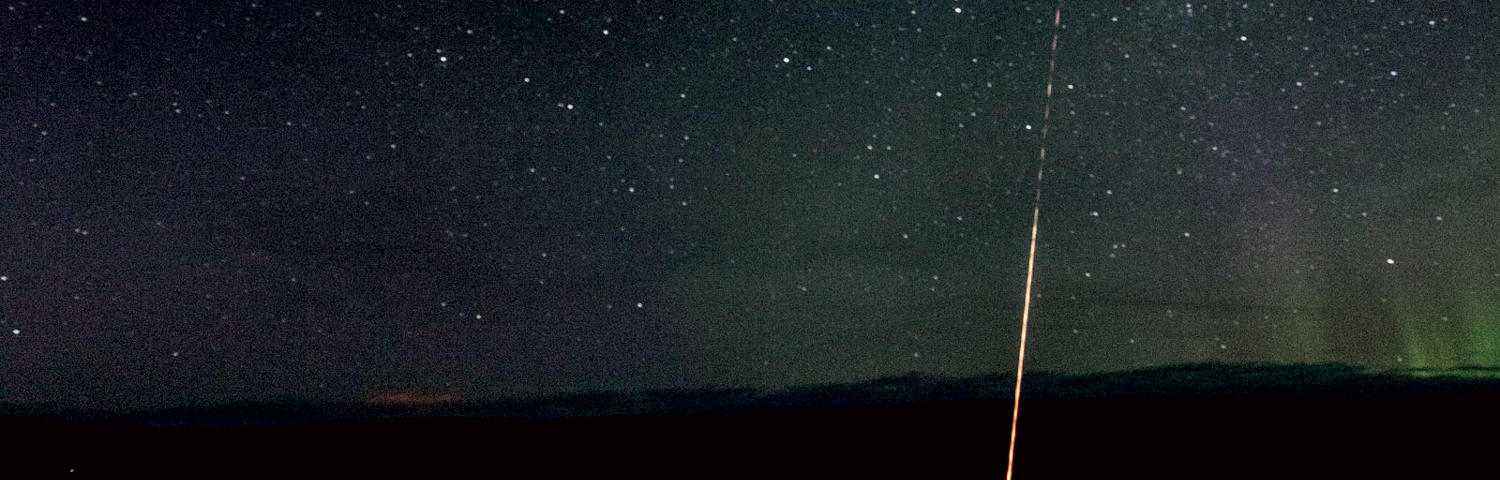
(209, 203)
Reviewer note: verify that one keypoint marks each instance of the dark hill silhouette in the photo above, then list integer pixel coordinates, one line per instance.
(1181, 421)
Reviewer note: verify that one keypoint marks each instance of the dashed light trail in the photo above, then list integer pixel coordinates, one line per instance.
(1036, 213)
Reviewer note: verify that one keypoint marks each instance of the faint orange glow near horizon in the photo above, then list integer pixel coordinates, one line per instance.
(412, 399)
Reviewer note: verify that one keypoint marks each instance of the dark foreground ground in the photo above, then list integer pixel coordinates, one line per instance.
(1203, 421)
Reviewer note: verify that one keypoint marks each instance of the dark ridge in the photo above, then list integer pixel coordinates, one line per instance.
(1324, 381)
(1183, 421)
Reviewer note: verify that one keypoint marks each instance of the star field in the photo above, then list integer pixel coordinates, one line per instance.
(206, 203)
